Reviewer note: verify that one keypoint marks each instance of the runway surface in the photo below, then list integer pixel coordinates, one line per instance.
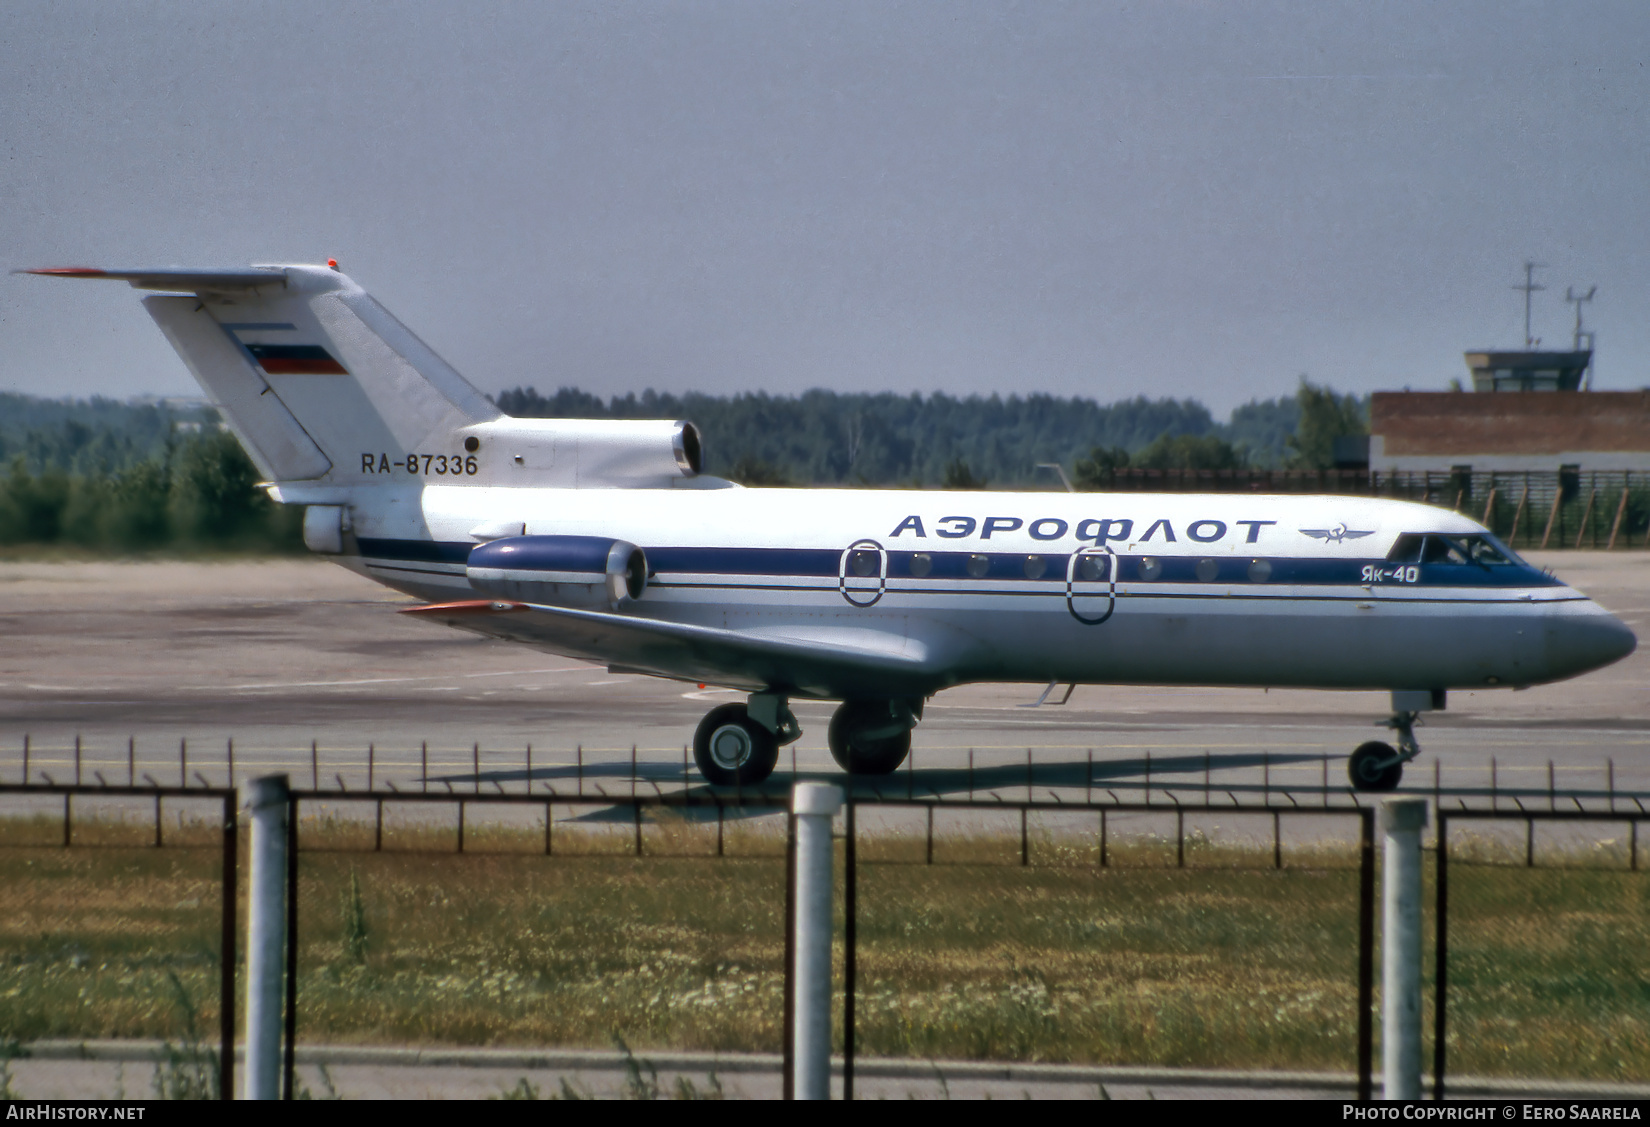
(275, 655)
(179, 661)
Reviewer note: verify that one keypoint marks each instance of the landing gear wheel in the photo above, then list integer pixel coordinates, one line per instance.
(731, 749)
(859, 753)
(1375, 766)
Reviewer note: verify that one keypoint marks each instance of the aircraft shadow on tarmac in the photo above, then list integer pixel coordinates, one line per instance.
(998, 782)
(1120, 780)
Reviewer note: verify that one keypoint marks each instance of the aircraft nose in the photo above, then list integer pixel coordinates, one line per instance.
(1577, 643)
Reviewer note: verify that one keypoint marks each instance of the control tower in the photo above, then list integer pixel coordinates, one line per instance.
(1528, 371)
(1532, 370)
(1570, 431)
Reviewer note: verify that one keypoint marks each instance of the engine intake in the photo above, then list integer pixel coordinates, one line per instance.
(568, 571)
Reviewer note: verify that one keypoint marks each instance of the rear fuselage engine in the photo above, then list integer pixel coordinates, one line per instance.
(585, 572)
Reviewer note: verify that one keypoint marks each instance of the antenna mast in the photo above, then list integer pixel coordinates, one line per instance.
(1578, 300)
(1529, 287)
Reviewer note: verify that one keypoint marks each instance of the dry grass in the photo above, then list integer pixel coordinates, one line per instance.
(1225, 963)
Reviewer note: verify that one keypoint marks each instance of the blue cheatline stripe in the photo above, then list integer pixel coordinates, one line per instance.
(416, 570)
(820, 562)
(823, 563)
(421, 551)
(1257, 593)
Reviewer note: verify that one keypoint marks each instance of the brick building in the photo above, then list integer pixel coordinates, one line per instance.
(1509, 431)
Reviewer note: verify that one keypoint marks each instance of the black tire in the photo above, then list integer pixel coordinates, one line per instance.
(1365, 771)
(861, 755)
(717, 748)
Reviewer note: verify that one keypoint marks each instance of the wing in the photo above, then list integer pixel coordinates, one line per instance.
(1350, 535)
(1317, 533)
(823, 661)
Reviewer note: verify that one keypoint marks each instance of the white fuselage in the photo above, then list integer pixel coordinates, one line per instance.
(1206, 589)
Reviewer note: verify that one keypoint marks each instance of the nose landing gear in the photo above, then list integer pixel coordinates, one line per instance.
(1378, 766)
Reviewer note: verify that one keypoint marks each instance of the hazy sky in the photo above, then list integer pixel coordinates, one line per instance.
(1105, 199)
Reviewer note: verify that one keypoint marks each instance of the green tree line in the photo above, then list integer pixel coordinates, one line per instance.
(1320, 416)
(822, 437)
(199, 492)
(112, 477)
(90, 436)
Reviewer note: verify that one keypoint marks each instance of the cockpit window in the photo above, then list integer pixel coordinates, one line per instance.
(1441, 548)
(1407, 548)
(1444, 550)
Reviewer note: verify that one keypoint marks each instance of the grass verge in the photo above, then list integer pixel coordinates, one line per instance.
(1225, 963)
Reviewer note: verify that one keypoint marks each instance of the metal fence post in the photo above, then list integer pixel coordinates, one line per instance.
(814, 805)
(850, 940)
(1402, 820)
(289, 1064)
(1366, 952)
(1440, 954)
(787, 1084)
(226, 950)
(268, 802)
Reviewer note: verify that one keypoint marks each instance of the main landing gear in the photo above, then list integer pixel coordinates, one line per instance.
(1378, 766)
(873, 737)
(738, 744)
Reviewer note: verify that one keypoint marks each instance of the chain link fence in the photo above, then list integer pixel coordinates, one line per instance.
(1540, 946)
(118, 924)
(1178, 933)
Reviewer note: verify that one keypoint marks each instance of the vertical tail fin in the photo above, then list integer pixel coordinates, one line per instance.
(310, 372)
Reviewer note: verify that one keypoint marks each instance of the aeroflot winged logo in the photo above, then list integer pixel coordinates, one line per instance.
(1339, 534)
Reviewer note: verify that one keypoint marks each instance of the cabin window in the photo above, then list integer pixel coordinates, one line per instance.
(1260, 570)
(977, 566)
(1150, 567)
(1035, 566)
(921, 564)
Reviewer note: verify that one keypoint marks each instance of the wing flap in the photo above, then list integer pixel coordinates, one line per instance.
(823, 661)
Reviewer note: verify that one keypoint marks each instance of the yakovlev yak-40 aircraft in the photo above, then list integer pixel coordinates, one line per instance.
(603, 541)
